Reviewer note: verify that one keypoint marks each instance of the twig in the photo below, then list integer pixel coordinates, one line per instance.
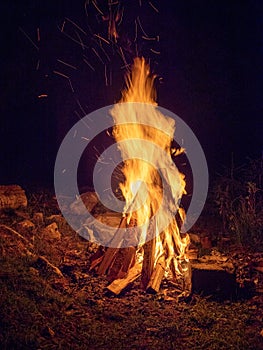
(17, 234)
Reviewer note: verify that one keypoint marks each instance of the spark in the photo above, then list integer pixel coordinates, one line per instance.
(75, 24)
(85, 138)
(121, 17)
(110, 77)
(80, 118)
(63, 25)
(85, 5)
(96, 53)
(82, 109)
(91, 67)
(81, 42)
(107, 189)
(64, 76)
(136, 31)
(155, 9)
(105, 73)
(140, 25)
(66, 64)
(75, 133)
(42, 96)
(123, 57)
(70, 37)
(96, 7)
(63, 171)
(77, 114)
(147, 38)
(94, 147)
(28, 37)
(156, 52)
(38, 63)
(38, 35)
(105, 53)
(103, 39)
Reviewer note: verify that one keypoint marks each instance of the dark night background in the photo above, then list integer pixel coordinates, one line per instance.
(211, 65)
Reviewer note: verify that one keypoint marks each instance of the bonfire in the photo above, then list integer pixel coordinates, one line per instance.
(148, 242)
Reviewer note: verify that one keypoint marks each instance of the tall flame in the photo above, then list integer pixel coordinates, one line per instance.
(143, 156)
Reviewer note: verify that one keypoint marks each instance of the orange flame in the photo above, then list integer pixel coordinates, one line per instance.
(142, 180)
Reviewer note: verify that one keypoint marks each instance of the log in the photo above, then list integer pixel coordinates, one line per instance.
(118, 285)
(107, 260)
(96, 258)
(157, 276)
(12, 197)
(125, 259)
(110, 253)
(148, 262)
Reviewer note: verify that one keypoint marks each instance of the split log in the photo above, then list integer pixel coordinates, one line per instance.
(148, 262)
(96, 259)
(118, 285)
(110, 253)
(12, 197)
(157, 276)
(125, 259)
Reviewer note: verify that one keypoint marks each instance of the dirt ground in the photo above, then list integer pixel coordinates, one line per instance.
(50, 300)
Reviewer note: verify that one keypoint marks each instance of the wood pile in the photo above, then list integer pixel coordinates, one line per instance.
(123, 266)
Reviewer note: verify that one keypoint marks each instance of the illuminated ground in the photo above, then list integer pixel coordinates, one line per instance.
(41, 310)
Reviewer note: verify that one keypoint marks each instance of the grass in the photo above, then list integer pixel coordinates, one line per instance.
(40, 310)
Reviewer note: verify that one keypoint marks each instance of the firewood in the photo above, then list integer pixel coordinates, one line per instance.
(157, 276)
(55, 269)
(120, 284)
(110, 253)
(148, 262)
(125, 258)
(17, 234)
(12, 197)
(96, 258)
(107, 260)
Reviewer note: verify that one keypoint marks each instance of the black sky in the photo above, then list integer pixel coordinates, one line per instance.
(211, 65)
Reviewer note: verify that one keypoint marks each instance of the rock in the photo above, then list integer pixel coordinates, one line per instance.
(51, 231)
(12, 197)
(38, 219)
(26, 228)
(58, 219)
(90, 199)
(194, 238)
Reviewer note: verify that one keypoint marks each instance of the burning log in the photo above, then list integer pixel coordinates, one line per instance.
(12, 197)
(148, 262)
(123, 266)
(110, 253)
(118, 285)
(157, 276)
